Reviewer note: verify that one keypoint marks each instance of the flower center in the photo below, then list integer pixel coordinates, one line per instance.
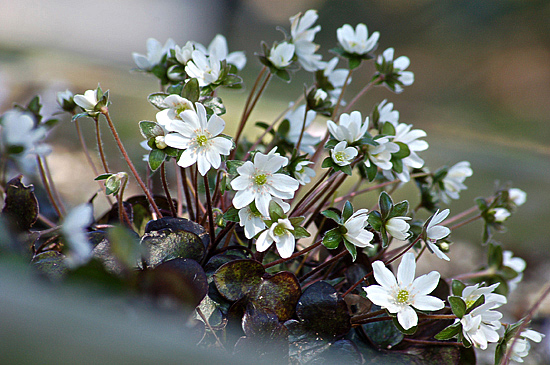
(279, 230)
(403, 296)
(260, 179)
(201, 140)
(341, 156)
(182, 108)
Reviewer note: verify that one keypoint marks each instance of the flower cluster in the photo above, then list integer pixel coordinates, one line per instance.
(257, 223)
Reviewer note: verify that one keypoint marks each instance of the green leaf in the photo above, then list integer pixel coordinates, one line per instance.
(410, 331)
(372, 170)
(215, 104)
(103, 177)
(354, 62)
(495, 256)
(449, 332)
(384, 236)
(332, 215)
(233, 165)
(388, 129)
(327, 162)
(283, 75)
(191, 90)
(375, 220)
(345, 169)
(150, 129)
(458, 306)
(400, 209)
(300, 232)
(352, 249)
(112, 185)
(331, 143)
(157, 100)
(275, 211)
(404, 150)
(125, 246)
(156, 158)
(386, 204)
(347, 212)
(332, 238)
(457, 287)
(232, 215)
(284, 127)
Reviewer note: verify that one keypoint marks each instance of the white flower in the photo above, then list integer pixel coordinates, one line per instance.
(398, 227)
(87, 101)
(500, 214)
(356, 232)
(517, 196)
(522, 346)
(350, 127)
(74, 230)
(185, 53)
(472, 293)
(387, 114)
(205, 70)
(358, 41)
(343, 155)
(259, 181)
(302, 36)
(303, 173)
(65, 99)
(380, 155)
(155, 52)
(296, 120)
(515, 263)
(280, 232)
(403, 134)
(218, 48)
(435, 233)
(320, 96)
(251, 221)
(399, 296)
(199, 137)
(480, 326)
(453, 182)
(400, 64)
(19, 136)
(175, 105)
(281, 55)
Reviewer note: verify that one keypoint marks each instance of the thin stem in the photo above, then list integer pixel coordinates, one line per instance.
(52, 184)
(105, 112)
(293, 256)
(205, 320)
(179, 184)
(122, 216)
(166, 190)
(211, 227)
(190, 210)
(362, 92)
(47, 186)
(432, 343)
(328, 195)
(85, 149)
(467, 221)
(459, 216)
(297, 148)
(195, 174)
(309, 192)
(100, 146)
(474, 275)
(525, 322)
(341, 96)
(248, 108)
(323, 265)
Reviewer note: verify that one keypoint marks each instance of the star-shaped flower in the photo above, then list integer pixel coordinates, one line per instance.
(343, 155)
(357, 41)
(356, 232)
(281, 55)
(199, 137)
(280, 232)
(205, 70)
(350, 127)
(435, 233)
(402, 294)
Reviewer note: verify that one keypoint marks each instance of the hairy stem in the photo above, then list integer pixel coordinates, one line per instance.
(173, 210)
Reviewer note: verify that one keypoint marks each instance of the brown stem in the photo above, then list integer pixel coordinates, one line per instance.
(185, 184)
(323, 265)
(166, 190)
(211, 227)
(362, 92)
(47, 186)
(467, 221)
(459, 216)
(309, 192)
(293, 256)
(100, 146)
(297, 148)
(105, 112)
(52, 184)
(179, 184)
(432, 343)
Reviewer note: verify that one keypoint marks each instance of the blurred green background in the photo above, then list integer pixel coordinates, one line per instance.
(481, 91)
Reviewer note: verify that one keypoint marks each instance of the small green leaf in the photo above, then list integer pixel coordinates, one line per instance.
(495, 256)
(332, 238)
(103, 177)
(191, 90)
(300, 232)
(457, 287)
(233, 165)
(216, 104)
(332, 215)
(232, 215)
(458, 306)
(284, 127)
(400, 209)
(354, 62)
(449, 332)
(150, 129)
(156, 158)
(404, 150)
(388, 129)
(386, 204)
(331, 144)
(372, 170)
(283, 75)
(347, 212)
(275, 211)
(352, 249)
(157, 99)
(375, 220)
(327, 162)
(112, 185)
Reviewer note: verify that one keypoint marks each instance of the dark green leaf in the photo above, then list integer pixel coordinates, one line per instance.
(284, 127)
(170, 243)
(233, 165)
(457, 287)
(237, 278)
(332, 238)
(388, 129)
(354, 62)
(215, 104)
(232, 215)
(375, 220)
(275, 211)
(351, 248)
(301, 232)
(347, 212)
(383, 334)
(51, 264)
(477, 303)
(125, 246)
(191, 90)
(495, 255)
(150, 129)
(332, 215)
(458, 306)
(157, 99)
(400, 209)
(404, 150)
(156, 158)
(386, 204)
(278, 293)
(20, 204)
(449, 332)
